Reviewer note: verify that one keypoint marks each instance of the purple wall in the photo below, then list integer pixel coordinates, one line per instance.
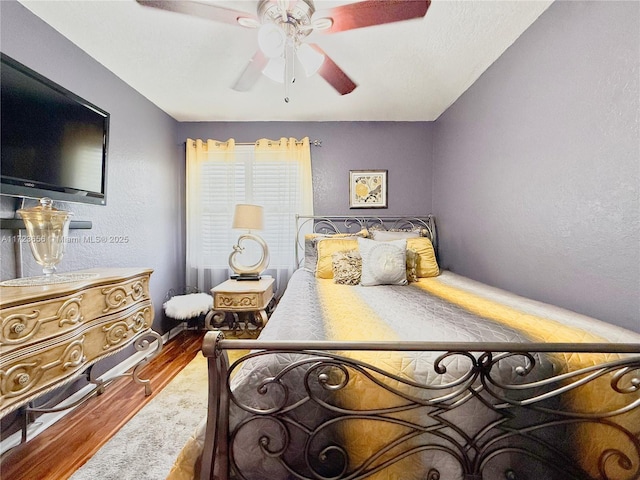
(533, 173)
(402, 148)
(537, 165)
(144, 171)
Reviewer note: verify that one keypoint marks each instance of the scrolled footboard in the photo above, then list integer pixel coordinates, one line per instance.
(336, 410)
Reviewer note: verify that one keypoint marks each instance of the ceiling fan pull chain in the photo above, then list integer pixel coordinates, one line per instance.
(289, 67)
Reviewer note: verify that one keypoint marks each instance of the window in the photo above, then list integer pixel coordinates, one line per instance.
(276, 175)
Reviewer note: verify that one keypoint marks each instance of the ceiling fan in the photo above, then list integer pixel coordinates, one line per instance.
(283, 25)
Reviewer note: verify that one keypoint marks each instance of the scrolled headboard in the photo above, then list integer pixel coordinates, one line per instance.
(328, 224)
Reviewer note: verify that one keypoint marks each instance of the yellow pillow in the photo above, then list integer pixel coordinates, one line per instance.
(326, 248)
(427, 263)
(311, 246)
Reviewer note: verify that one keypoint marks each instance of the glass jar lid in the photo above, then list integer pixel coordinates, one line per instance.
(44, 212)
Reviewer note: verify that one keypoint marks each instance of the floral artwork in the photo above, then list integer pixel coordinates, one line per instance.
(368, 189)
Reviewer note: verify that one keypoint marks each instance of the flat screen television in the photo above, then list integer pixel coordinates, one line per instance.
(53, 143)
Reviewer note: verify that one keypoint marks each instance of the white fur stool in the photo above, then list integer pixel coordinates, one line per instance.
(186, 307)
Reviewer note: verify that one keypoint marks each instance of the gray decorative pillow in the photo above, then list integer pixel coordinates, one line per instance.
(388, 235)
(414, 231)
(383, 263)
(310, 253)
(347, 267)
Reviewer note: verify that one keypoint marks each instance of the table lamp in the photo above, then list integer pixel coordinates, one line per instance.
(248, 217)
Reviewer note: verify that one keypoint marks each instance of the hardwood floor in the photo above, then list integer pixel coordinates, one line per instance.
(65, 446)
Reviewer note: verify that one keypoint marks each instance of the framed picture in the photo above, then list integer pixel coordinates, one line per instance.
(368, 189)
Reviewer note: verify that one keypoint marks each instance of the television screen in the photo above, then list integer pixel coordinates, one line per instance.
(53, 143)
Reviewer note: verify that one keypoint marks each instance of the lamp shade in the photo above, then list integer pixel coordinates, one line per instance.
(274, 69)
(248, 217)
(311, 59)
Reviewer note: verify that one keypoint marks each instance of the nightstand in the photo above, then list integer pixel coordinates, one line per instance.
(241, 305)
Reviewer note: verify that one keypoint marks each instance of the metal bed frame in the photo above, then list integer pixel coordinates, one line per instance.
(472, 451)
(330, 224)
(504, 436)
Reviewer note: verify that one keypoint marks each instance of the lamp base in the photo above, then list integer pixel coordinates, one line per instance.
(247, 277)
(248, 272)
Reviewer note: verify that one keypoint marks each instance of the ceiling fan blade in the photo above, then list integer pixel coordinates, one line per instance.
(373, 12)
(334, 75)
(201, 10)
(251, 72)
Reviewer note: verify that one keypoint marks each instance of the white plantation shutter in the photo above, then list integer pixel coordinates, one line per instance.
(273, 184)
(221, 175)
(223, 185)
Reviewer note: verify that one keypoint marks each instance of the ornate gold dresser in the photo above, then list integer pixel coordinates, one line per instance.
(52, 334)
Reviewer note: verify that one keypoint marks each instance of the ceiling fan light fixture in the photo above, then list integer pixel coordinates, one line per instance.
(284, 24)
(271, 39)
(275, 69)
(310, 59)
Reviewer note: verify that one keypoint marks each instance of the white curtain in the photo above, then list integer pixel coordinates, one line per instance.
(273, 173)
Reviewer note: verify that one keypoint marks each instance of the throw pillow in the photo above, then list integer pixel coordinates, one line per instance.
(326, 248)
(427, 263)
(311, 246)
(420, 230)
(347, 267)
(383, 263)
(388, 235)
(412, 265)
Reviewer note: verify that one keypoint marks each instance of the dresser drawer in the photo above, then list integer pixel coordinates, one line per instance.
(32, 371)
(46, 319)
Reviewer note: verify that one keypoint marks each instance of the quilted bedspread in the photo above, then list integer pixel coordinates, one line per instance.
(447, 308)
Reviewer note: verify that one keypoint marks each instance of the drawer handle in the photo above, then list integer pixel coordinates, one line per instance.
(18, 328)
(22, 379)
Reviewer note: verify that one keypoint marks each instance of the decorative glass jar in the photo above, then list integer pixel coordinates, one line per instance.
(47, 230)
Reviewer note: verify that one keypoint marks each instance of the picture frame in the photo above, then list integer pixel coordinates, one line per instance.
(368, 189)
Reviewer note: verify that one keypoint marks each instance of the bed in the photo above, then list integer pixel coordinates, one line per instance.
(420, 374)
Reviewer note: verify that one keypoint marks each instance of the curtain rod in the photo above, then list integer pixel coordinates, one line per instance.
(315, 143)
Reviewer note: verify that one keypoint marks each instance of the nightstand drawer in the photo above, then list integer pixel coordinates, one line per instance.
(237, 301)
(243, 296)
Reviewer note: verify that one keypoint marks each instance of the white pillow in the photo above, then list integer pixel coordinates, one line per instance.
(383, 263)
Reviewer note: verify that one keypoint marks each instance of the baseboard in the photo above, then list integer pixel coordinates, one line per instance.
(45, 420)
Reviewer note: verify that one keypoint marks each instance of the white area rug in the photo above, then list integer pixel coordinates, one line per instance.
(147, 445)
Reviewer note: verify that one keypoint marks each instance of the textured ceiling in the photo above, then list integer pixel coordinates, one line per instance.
(406, 71)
